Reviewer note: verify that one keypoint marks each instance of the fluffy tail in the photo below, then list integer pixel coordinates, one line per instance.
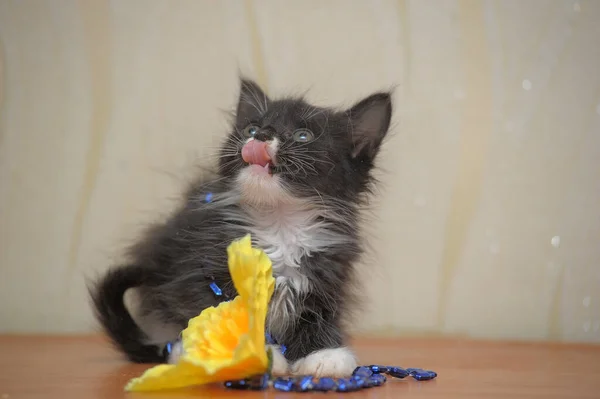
(107, 297)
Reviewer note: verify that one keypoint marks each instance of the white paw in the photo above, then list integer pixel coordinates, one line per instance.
(338, 362)
(280, 364)
(176, 352)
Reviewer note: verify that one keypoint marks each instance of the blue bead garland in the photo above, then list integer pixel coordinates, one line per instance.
(324, 384)
(363, 377)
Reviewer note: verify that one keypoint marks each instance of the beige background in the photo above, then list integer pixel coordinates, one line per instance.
(488, 220)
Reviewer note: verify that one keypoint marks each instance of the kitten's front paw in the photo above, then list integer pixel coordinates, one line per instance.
(338, 362)
(280, 364)
(176, 352)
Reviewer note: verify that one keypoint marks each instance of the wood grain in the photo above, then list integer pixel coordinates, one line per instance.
(86, 367)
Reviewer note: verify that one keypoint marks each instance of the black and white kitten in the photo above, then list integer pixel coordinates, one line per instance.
(295, 177)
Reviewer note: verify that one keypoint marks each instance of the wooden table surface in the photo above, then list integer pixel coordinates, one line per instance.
(87, 368)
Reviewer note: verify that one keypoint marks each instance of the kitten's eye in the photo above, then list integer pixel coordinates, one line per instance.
(303, 135)
(250, 131)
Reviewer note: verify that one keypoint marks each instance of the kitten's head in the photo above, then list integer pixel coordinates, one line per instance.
(286, 149)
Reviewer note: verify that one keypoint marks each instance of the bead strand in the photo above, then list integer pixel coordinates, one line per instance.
(363, 377)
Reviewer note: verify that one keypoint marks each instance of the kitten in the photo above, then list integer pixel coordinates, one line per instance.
(295, 177)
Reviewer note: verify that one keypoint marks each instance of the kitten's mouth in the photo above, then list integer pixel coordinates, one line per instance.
(255, 154)
(267, 169)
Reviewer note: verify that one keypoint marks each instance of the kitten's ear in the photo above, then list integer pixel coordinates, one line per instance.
(370, 121)
(253, 102)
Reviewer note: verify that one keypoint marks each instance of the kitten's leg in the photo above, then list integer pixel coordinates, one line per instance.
(316, 347)
(280, 364)
(176, 352)
(308, 323)
(333, 362)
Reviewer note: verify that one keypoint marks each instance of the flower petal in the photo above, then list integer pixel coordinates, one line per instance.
(167, 376)
(246, 265)
(227, 341)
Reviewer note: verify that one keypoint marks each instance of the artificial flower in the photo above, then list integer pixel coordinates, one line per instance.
(226, 342)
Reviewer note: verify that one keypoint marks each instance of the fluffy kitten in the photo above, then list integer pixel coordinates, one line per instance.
(294, 176)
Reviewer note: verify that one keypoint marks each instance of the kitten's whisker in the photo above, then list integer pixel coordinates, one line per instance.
(316, 111)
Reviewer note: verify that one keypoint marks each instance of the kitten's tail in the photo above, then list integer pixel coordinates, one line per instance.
(107, 297)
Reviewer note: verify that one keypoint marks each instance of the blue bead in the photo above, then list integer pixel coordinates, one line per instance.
(269, 339)
(303, 384)
(378, 369)
(283, 384)
(353, 384)
(167, 350)
(283, 348)
(377, 380)
(324, 384)
(398, 372)
(208, 197)
(347, 385)
(237, 384)
(424, 375)
(342, 385)
(361, 382)
(258, 382)
(362, 372)
(215, 288)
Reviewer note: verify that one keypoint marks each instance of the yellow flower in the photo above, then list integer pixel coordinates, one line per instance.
(226, 342)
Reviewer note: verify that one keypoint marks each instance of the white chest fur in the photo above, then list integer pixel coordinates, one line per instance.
(287, 234)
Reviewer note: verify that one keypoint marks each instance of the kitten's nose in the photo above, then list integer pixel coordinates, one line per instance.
(263, 134)
(255, 153)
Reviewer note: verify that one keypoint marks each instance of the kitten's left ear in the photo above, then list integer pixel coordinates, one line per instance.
(370, 119)
(252, 103)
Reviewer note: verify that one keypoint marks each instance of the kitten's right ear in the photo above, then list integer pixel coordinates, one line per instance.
(253, 102)
(370, 120)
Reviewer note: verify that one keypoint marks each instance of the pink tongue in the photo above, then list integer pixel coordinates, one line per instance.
(255, 153)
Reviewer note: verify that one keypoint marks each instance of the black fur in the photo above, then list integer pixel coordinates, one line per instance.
(173, 264)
